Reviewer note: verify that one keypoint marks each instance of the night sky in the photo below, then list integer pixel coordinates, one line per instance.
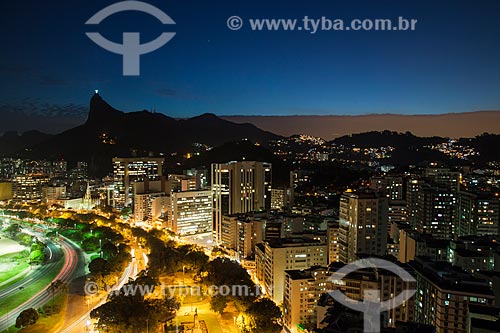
(49, 68)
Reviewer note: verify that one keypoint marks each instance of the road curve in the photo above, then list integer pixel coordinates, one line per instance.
(69, 251)
(35, 273)
(78, 325)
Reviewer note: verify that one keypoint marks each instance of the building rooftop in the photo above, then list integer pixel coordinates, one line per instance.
(447, 277)
(291, 242)
(470, 254)
(296, 274)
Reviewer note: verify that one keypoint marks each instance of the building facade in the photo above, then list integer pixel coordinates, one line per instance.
(29, 187)
(126, 171)
(302, 290)
(239, 187)
(190, 212)
(362, 225)
(277, 256)
(444, 294)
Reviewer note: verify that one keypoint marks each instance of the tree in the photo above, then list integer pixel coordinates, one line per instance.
(218, 303)
(130, 313)
(38, 246)
(26, 318)
(37, 257)
(126, 212)
(109, 251)
(90, 244)
(265, 316)
(13, 230)
(99, 266)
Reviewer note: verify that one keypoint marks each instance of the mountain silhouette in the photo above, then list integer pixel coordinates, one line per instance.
(109, 133)
(11, 142)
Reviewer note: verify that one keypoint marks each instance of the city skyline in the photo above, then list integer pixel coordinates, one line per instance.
(318, 166)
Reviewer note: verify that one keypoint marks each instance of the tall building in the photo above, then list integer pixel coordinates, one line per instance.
(150, 200)
(357, 284)
(362, 225)
(181, 183)
(332, 236)
(443, 178)
(281, 198)
(241, 233)
(302, 290)
(29, 187)
(277, 256)
(437, 212)
(129, 170)
(239, 187)
(53, 193)
(444, 294)
(413, 244)
(190, 212)
(398, 212)
(478, 214)
(413, 192)
(250, 233)
(391, 186)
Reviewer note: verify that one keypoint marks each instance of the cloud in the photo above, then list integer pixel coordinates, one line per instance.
(33, 114)
(167, 92)
(29, 73)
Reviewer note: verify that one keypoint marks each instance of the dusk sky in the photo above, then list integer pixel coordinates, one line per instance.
(49, 68)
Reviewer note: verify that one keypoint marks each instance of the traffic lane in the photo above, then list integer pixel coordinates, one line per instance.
(44, 296)
(54, 253)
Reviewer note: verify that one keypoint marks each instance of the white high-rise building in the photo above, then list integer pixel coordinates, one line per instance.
(150, 200)
(190, 212)
(274, 257)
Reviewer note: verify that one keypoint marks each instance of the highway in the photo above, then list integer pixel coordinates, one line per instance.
(69, 252)
(54, 255)
(80, 322)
